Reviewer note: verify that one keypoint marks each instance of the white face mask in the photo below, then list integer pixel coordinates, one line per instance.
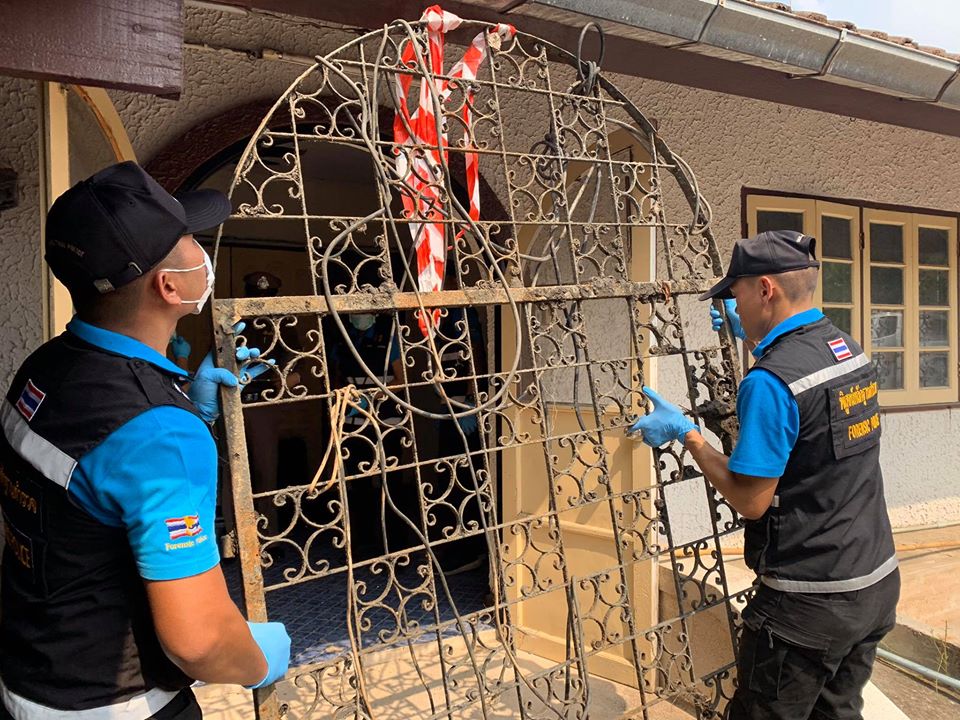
(362, 321)
(207, 264)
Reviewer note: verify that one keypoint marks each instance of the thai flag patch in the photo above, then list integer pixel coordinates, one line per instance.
(840, 349)
(186, 526)
(30, 400)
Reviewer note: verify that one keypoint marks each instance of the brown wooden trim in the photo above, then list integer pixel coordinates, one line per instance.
(893, 207)
(863, 274)
(744, 224)
(496, 5)
(918, 408)
(125, 44)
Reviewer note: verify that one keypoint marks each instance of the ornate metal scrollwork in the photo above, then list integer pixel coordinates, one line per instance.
(545, 270)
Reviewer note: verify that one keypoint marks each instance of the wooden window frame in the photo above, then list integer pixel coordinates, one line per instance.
(852, 214)
(902, 396)
(861, 214)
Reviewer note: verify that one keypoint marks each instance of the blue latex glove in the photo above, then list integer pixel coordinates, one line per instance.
(274, 643)
(353, 412)
(730, 308)
(179, 346)
(208, 378)
(468, 423)
(667, 422)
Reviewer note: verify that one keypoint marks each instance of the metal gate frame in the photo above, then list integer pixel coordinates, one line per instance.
(344, 90)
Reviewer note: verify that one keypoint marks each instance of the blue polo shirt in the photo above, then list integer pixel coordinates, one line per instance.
(768, 413)
(155, 476)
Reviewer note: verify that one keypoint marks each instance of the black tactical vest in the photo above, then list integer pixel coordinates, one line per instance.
(76, 630)
(827, 529)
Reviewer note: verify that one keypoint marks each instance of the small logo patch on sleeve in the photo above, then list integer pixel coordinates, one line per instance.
(30, 400)
(181, 527)
(840, 349)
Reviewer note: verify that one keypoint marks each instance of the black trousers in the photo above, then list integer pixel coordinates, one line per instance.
(183, 707)
(808, 656)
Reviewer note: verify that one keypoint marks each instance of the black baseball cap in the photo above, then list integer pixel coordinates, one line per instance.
(116, 225)
(769, 253)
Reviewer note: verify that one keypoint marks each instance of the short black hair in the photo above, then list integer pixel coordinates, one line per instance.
(798, 285)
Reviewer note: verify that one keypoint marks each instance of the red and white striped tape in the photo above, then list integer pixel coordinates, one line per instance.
(421, 169)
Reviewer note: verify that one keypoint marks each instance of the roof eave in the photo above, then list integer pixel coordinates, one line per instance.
(766, 37)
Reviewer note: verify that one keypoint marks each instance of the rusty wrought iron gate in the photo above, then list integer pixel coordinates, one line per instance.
(550, 325)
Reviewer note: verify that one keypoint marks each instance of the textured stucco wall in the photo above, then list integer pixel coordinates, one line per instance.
(21, 327)
(734, 142)
(730, 142)
(215, 81)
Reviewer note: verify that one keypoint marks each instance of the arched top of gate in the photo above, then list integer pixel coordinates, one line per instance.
(531, 109)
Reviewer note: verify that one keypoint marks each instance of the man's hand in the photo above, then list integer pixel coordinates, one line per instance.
(179, 347)
(733, 319)
(206, 382)
(468, 423)
(203, 632)
(274, 643)
(664, 424)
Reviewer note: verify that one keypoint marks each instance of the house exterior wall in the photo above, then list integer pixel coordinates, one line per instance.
(730, 142)
(21, 307)
(215, 81)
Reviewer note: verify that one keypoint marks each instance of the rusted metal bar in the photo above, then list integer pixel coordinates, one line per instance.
(267, 702)
(471, 297)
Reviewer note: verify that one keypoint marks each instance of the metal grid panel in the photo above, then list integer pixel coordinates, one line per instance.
(547, 264)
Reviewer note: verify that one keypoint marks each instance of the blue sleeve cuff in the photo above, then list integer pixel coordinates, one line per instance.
(769, 426)
(199, 562)
(745, 467)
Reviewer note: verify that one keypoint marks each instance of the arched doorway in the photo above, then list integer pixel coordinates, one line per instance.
(286, 440)
(557, 409)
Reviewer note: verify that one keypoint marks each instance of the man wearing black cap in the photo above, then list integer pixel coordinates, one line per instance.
(113, 601)
(805, 475)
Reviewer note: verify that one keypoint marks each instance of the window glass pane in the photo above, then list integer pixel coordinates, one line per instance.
(886, 286)
(841, 317)
(776, 220)
(933, 369)
(933, 246)
(935, 287)
(886, 243)
(934, 328)
(835, 238)
(886, 328)
(889, 369)
(837, 282)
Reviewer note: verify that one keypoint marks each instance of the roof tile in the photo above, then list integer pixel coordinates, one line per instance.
(824, 20)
